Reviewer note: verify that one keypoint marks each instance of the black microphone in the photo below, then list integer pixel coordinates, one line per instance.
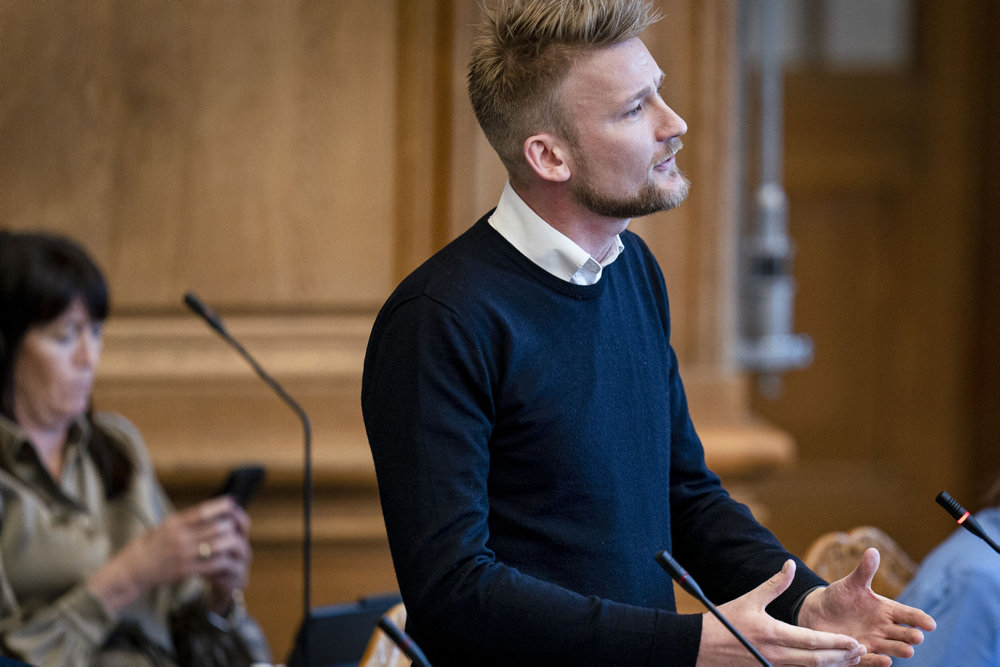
(212, 318)
(687, 582)
(404, 642)
(964, 518)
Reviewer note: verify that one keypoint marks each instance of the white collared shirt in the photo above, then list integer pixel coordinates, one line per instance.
(544, 245)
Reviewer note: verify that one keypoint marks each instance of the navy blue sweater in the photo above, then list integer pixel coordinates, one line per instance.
(534, 452)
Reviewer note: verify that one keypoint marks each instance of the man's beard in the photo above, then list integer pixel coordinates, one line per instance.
(650, 198)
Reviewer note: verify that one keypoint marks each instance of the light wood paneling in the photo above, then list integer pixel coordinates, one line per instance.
(245, 151)
(986, 349)
(883, 174)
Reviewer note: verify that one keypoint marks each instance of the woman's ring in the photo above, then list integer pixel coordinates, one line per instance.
(204, 551)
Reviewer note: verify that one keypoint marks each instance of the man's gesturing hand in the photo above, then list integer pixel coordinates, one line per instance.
(780, 643)
(884, 626)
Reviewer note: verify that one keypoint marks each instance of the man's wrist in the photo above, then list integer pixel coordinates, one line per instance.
(800, 604)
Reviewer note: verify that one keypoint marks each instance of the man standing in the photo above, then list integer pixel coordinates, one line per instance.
(525, 410)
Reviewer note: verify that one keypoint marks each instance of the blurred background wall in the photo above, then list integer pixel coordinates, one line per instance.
(291, 160)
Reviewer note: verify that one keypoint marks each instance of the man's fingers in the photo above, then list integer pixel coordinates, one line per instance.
(816, 640)
(899, 642)
(832, 657)
(915, 618)
(801, 646)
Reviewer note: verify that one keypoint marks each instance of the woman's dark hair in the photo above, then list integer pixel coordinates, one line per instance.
(40, 276)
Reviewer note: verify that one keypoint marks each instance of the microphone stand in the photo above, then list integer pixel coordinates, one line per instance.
(687, 582)
(212, 318)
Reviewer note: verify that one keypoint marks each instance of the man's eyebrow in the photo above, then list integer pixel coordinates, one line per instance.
(645, 92)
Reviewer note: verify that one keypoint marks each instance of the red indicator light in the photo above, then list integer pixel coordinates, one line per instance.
(964, 517)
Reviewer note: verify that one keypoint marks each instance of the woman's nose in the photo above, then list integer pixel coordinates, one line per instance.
(88, 349)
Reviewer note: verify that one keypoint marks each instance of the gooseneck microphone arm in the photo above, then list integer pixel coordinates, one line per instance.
(685, 581)
(404, 642)
(212, 318)
(964, 518)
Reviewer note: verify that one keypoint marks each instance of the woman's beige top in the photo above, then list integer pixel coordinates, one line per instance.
(55, 533)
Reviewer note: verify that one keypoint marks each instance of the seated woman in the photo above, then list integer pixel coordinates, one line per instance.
(95, 568)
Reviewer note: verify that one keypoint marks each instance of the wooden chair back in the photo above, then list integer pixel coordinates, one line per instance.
(381, 650)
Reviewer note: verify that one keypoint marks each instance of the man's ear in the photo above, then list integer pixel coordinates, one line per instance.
(546, 155)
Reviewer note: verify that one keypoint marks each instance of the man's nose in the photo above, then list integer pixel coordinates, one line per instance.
(671, 125)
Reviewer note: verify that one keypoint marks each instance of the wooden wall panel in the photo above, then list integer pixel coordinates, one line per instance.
(249, 152)
(986, 351)
(243, 151)
(884, 178)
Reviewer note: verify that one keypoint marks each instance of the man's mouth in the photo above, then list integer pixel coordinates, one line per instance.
(665, 163)
(668, 161)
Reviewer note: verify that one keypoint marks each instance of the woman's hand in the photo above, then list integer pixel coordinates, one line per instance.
(228, 561)
(208, 540)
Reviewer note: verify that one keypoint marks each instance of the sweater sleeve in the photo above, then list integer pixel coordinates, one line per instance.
(429, 413)
(715, 537)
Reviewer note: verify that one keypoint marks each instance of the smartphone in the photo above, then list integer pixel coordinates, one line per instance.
(242, 483)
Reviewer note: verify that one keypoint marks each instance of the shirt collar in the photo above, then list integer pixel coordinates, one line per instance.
(13, 439)
(544, 245)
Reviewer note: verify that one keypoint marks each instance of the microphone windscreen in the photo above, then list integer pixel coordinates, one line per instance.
(192, 301)
(679, 574)
(951, 505)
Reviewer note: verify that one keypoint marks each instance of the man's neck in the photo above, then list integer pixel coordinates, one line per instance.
(594, 233)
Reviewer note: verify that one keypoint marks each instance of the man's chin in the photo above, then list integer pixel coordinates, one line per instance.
(677, 192)
(652, 198)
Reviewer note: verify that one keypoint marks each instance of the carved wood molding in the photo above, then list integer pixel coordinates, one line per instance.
(139, 348)
(202, 410)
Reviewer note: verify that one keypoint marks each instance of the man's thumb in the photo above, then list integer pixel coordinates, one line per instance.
(777, 584)
(865, 571)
